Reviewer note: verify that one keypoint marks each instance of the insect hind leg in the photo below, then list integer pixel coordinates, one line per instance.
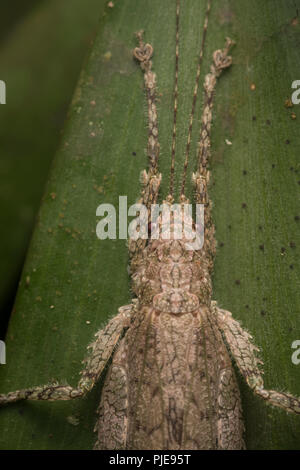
(101, 350)
(244, 353)
(111, 425)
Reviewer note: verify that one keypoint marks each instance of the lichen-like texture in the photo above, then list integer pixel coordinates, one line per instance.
(77, 282)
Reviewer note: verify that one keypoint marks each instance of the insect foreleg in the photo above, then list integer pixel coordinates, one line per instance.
(151, 180)
(245, 354)
(101, 351)
(221, 61)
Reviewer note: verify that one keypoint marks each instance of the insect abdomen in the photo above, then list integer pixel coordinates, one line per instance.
(171, 367)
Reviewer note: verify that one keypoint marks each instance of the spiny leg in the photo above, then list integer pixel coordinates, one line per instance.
(221, 61)
(101, 351)
(230, 425)
(151, 180)
(112, 422)
(245, 355)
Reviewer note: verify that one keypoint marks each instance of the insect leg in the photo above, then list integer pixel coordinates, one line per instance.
(221, 61)
(245, 352)
(230, 427)
(112, 422)
(151, 180)
(101, 351)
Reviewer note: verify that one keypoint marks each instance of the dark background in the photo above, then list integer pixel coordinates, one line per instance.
(42, 47)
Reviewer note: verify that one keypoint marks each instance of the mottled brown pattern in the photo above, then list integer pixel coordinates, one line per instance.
(171, 384)
(182, 392)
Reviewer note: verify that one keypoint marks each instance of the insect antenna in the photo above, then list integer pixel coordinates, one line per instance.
(187, 151)
(171, 191)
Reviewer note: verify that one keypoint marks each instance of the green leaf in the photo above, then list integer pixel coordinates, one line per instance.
(73, 282)
(40, 63)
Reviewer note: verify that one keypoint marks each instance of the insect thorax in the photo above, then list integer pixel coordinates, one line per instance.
(171, 278)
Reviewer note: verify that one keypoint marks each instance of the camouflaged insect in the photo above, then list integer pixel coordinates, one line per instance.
(171, 383)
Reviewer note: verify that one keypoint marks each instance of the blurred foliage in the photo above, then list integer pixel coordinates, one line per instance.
(73, 282)
(40, 62)
(12, 12)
